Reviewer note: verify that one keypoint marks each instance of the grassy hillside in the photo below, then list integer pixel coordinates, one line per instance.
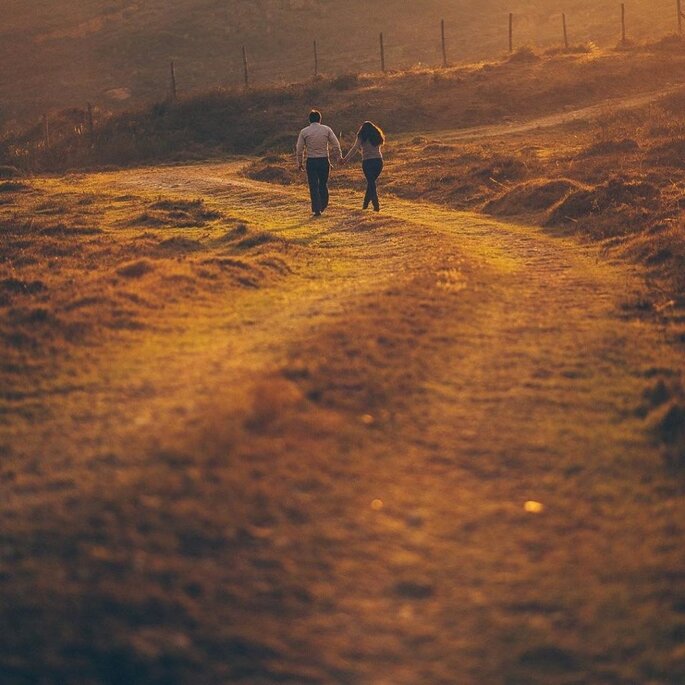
(524, 85)
(618, 178)
(115, 53)
(240, 445)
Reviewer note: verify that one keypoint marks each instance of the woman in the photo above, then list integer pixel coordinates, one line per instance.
(370, 139)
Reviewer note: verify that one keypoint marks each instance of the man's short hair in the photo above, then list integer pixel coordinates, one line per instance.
(314, 116)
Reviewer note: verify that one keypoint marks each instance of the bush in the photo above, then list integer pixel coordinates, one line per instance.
(7, 171)
(500, 168)
(272, 174)
(524, 55)
(135, 269)
(671, 43)
(670, 432)
(582, 49)
(532, 196)
(617, 193)
(670, 154)
(345, 82)
(610, 147)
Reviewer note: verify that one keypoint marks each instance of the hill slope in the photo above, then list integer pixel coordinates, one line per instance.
(115, 53)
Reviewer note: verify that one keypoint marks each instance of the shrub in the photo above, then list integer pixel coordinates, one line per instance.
(7, 171)
(674, 103)
(500, 168)
(671, 43)
(604, 198)
(670, 432)
(609, 147)
(532, 196)
(256, 239)
(669, 154)
(13, 187)
(345, 82)
(523, 55)
(272, 174)
(135, 269)
(582, 49)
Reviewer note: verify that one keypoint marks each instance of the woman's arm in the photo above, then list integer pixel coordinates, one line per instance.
(355, 148)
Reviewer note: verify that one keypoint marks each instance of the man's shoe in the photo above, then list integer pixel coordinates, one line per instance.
(317, 214)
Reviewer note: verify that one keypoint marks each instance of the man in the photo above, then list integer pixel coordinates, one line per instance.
(317, 139)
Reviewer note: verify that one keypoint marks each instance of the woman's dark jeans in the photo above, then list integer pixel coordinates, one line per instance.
(372, 170)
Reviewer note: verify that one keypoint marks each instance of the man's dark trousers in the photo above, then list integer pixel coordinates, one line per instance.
(318, 169)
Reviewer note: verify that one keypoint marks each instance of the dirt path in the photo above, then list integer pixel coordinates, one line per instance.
(326, 481)
(548, 121)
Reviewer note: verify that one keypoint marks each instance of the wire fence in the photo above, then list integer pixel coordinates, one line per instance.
(307, 60)
(435, 44)
(443, 45)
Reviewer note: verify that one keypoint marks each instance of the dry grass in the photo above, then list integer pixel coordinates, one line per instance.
(303, 493)
(78, 270)
(116, 54)
(213, 480)
(618, 179)
(421, 99)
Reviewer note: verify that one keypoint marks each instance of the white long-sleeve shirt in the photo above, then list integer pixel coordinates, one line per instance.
(317, 139)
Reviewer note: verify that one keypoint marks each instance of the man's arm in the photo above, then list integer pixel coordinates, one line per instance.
(299, 150)
(335, 143)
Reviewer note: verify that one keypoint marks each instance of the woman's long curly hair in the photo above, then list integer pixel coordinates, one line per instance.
(371, 133)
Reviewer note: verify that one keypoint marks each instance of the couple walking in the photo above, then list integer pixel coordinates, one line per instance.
(318, 140)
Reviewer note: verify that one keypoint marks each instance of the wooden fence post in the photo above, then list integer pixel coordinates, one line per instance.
(46, 131)
(316, 60)
(173, 82)
(623, 23)
(382, 54)
(511, 32)
(246, 72)
(444, 44)
(563, 17)
(91, 125)
(681, 16)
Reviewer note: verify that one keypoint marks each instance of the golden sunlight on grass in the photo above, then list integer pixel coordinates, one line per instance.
(242, 443)
(440, 443)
